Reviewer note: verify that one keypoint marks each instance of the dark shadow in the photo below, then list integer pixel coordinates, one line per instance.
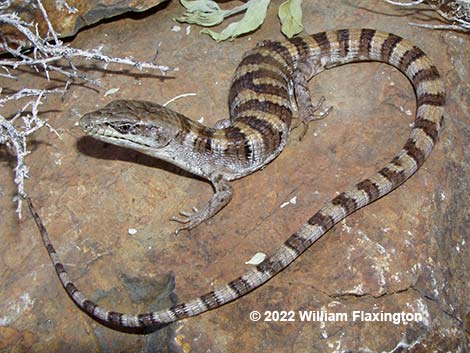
(10, 159)
(6, 156)
(101, 150)
(61, 80)
(125, 72)
(43, 112)
(57, 78)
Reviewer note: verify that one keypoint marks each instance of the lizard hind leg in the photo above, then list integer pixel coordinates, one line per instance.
(222, 196)
(307, 111)
(222, 124)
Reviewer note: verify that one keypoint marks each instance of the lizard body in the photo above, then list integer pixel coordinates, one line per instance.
(261, 111)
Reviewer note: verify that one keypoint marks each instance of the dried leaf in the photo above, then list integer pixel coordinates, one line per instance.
(290, 14)
(256, 259)
(111, 91)
(253, 18)
(202, 12)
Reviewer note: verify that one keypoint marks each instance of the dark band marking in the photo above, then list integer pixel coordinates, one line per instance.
(409, 57)
(240, 286)
(270, 267)
(365, 41)
(429, 128)
(89, 306)
(267, 107)
(237, 144)
(428, 74)
(203, 141)
(280, 49)
(342, 37)
(323, 42)
(261, 72)
(396, 178)
(435, 99)
(346, 202)
(246, 82)
(256, 58)
(324, 221)
(210, 300)
(115, 318)
(389, 45)
(297, 243)
(270, 135)
(49, 247)
(145, 319)
(179, 310)
(302, 47)
(414, 152)
(370, 188)
(71, 289)
(208, 145)
(59, 268)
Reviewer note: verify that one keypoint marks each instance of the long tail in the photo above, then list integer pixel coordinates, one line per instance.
(338, 47)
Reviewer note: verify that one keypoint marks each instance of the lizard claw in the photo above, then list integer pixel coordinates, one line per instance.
(189, 219)
(223, 194)
(182, 213)
(308, 114)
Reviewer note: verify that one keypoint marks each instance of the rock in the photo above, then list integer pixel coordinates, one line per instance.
(67, 18)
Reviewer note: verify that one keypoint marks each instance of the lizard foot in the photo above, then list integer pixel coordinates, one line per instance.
(310, 113)
(189, 220)
(222, 196)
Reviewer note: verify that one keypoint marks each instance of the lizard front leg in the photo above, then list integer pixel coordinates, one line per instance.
(307, 110)
(222, 196)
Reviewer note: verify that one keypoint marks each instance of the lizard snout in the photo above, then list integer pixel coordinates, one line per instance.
(86, 123)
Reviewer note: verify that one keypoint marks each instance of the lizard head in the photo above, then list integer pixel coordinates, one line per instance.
(134, 124)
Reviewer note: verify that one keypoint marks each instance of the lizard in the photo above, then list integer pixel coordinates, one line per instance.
(268, 88)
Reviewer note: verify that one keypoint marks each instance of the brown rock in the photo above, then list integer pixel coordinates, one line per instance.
(66, 22)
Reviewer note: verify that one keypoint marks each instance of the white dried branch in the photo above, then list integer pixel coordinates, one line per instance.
(4, 4)
(44, 54)
(14, 137)
(448, 27)
(178, 97)
(457, 12)
(48, 22)
(63, 3)
(406, 4)
(28, 92)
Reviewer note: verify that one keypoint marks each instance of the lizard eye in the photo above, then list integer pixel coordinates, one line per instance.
(122, 128)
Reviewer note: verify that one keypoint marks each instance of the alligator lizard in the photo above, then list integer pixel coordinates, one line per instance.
(269, 87)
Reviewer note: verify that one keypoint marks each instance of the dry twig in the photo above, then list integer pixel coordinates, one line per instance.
(457, 12)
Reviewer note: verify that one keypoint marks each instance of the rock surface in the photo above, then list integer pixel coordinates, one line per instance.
(408, 252)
